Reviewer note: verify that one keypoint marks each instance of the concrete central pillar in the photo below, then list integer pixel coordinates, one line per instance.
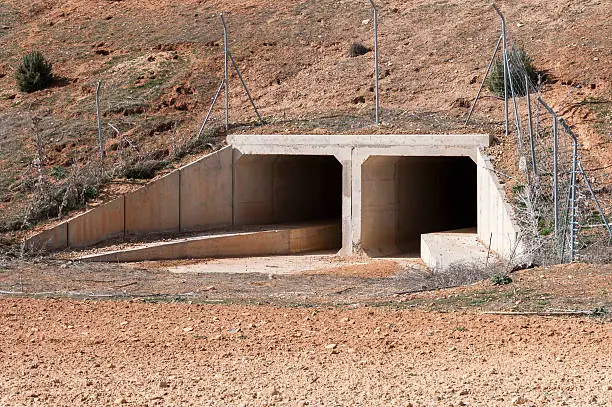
(347, 200)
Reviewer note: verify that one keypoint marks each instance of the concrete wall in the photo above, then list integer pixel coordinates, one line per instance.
(195, 197)
(55, 238)
(206, 192)
(96, 225)
(379, 206)
(154, 208)
(253, 190)
(495, 216)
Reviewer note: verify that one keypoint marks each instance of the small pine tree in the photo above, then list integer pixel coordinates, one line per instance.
(34, 72)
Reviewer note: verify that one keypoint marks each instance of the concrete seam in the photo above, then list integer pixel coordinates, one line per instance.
(180, 222)
(124, 217)
(233, 186)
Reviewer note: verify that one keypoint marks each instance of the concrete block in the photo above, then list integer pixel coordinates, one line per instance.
(206, 192)
(97, 225)
(154, 208)
(49, 240)
(441, 250)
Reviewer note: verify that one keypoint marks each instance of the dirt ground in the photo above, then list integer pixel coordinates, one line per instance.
(257, 339)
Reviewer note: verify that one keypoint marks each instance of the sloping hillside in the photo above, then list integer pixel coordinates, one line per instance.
(161, 62)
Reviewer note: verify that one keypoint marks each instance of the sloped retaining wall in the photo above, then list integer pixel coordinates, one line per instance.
(196, 197)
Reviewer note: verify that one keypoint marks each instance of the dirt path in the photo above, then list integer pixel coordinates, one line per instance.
(312, 279)
(95, 353)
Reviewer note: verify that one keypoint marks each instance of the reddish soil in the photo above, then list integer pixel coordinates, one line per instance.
(321, 338)
(65, 353)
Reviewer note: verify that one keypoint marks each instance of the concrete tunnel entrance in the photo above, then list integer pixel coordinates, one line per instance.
(383, 194)
(288, 189)
(404, 197)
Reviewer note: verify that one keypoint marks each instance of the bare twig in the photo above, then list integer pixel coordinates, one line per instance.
(544, 313)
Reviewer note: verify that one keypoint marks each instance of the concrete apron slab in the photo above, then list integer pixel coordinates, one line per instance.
(326, 263)
(281, 240)
(442, 250)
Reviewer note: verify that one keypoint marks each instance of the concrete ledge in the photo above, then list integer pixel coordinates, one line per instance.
(241, 141)
(313, 238)
(277, 241)
(443, 249)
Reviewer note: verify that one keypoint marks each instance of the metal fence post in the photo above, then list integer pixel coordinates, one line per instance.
(212, 105)
(483, 80)
(244, 85)
(508, 79)
(555, 164)
(100, 141)
(225, 67)
(376, 59)
(531, 141)
(506, 73)
(573, 188)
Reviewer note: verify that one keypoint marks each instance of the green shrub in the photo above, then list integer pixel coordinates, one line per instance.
(59, 172)
(34, 72)
(144, 169)
(358, 49)
(500, 279)
(520, 65)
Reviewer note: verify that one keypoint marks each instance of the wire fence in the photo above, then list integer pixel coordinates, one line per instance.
(560, 215)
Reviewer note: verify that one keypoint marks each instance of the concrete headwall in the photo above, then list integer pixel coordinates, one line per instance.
(495, 216)
(198, 196)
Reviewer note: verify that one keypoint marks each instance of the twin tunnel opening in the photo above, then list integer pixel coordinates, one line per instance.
(402, 197)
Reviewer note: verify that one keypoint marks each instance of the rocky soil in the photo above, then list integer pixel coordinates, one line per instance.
(100, 336)
(95, 353)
